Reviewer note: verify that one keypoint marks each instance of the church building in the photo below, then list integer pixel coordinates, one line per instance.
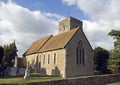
(68, 54)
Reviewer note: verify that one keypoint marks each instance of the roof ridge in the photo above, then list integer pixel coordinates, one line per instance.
(68, 31)
(42, 38)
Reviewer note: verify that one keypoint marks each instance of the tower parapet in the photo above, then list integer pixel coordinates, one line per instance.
(68, 24)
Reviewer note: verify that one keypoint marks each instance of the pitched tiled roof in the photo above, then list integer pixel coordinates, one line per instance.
(36, 45)
(51, 42)
(58, 41)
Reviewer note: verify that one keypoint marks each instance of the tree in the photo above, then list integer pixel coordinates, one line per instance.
(116, 35)
(1, 57)
(114, 60)
(1, 54)
(10, 51)
(100, 60)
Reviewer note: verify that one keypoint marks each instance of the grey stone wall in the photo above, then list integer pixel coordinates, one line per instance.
(57, 69)
(73, 69)
(68, 24)
(94, 80)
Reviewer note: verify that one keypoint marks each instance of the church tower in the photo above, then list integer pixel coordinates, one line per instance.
(68, 24)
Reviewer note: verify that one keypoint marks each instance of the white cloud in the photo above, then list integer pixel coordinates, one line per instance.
(97, 34)
(24, 26)
(54, 16)
(20, 17)
(104, 15)
(69, 2)
(96, 9)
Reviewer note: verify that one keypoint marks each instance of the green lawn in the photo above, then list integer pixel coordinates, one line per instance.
(117, 83)
(33, 78)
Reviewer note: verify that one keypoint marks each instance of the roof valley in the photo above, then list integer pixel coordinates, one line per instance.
(45, 42)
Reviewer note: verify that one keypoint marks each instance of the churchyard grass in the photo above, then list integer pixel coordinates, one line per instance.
(20, 79)
(117, 83)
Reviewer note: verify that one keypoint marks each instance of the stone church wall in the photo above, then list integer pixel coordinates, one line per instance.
(51, 68)
(55, 69)
(74, 69)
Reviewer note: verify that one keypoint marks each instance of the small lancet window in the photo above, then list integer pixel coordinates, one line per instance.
(80, 54)
(48, 58)
(64, 27)
(55, 57)
(44, 59)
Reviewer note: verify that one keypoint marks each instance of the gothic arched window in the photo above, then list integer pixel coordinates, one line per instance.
(80, 54)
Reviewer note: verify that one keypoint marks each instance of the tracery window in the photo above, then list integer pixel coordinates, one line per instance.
(80, 53)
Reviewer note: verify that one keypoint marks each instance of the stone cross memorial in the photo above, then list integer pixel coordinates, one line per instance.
(27, 73)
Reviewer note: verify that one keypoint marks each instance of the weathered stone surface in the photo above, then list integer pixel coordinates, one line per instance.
(68, 24)
(94, 80)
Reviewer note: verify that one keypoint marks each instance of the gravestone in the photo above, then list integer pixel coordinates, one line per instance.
(21, 71)
(12, 71)
(43, 72)
(27, 72)
(53, 72)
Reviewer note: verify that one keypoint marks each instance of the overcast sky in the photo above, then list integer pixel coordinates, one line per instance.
(27, 20)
